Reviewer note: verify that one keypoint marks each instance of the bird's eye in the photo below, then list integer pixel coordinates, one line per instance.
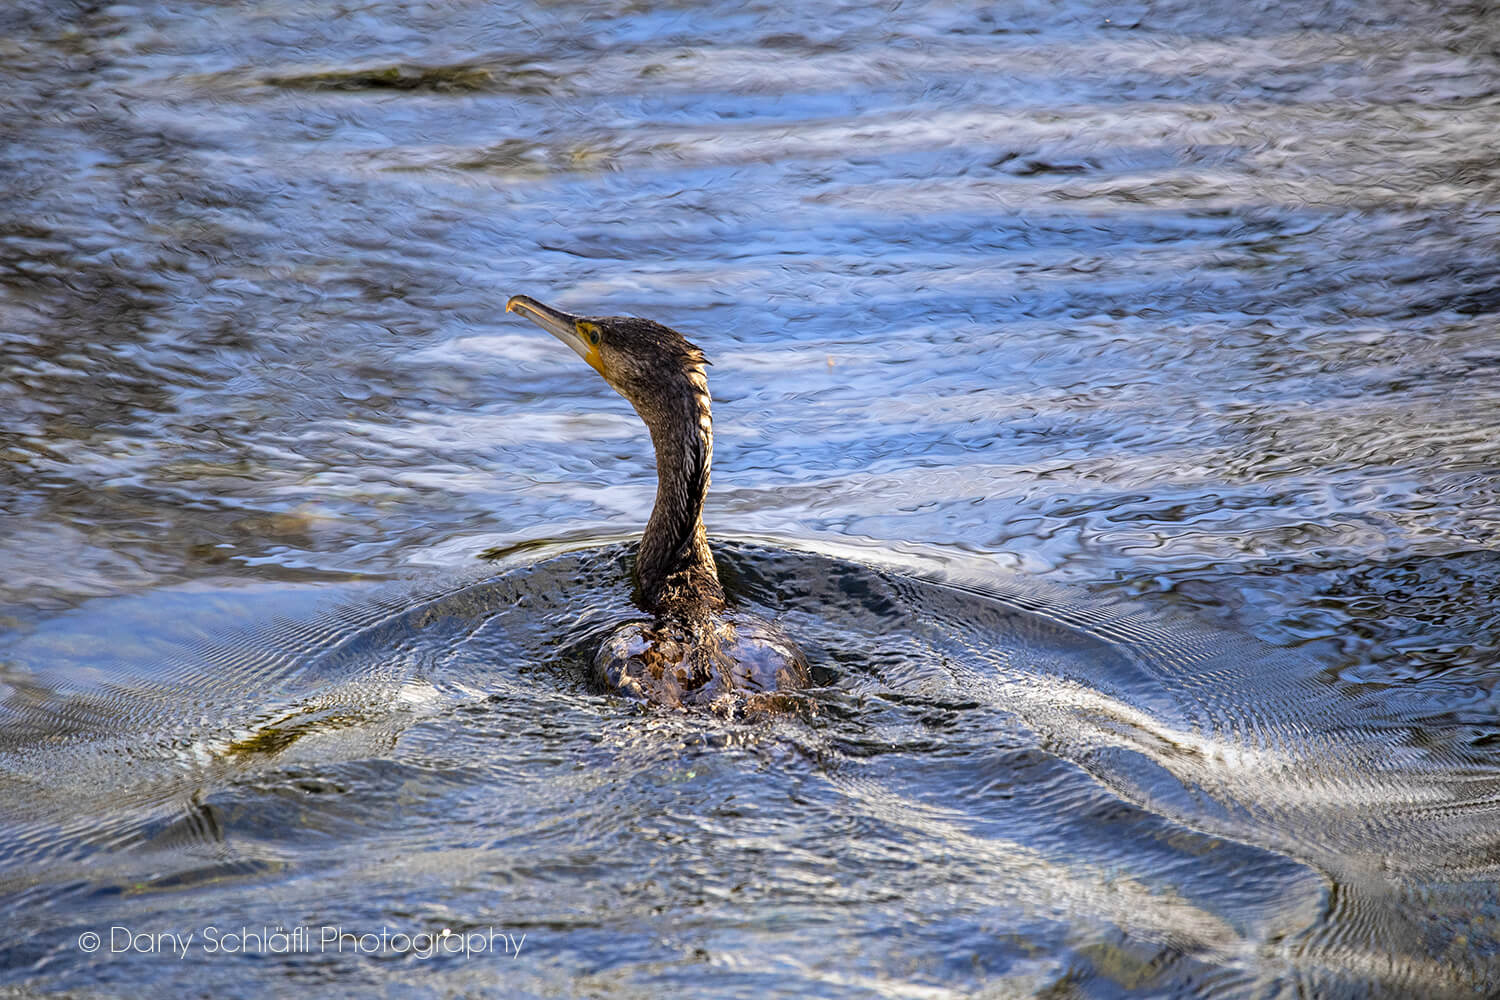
(594, 335)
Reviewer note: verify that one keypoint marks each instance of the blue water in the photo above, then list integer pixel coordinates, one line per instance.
(1103, 397)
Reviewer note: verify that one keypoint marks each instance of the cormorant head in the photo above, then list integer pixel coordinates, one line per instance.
(642, 360)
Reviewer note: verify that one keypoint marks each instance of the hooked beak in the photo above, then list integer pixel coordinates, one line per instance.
(562, 325)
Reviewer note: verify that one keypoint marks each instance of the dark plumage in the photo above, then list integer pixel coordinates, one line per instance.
(694, 653)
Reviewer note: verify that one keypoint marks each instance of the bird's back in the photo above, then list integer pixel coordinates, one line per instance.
(732, 664)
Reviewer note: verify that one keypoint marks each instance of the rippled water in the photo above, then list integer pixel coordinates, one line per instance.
(1104, 397)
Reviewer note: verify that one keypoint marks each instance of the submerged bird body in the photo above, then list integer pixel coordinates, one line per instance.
(727, 663)
(695, 652)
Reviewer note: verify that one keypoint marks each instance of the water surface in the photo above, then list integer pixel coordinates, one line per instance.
(1103, 394)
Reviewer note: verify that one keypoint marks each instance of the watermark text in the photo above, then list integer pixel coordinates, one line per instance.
(303, 939)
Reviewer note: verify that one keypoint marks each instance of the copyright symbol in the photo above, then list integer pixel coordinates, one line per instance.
(88, 941)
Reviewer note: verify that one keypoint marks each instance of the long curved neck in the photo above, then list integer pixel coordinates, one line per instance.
(675, 569)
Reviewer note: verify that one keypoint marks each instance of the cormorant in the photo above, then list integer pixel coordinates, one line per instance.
(696, 653)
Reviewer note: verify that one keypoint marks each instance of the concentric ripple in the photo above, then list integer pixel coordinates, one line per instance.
(1072, 789)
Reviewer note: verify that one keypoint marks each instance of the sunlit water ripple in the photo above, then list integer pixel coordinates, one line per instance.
(1104, 396)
